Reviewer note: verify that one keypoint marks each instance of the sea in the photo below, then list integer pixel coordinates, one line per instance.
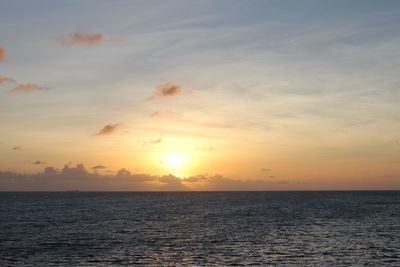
(200, 229)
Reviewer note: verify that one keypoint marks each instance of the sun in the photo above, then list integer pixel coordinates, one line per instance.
(175, 160)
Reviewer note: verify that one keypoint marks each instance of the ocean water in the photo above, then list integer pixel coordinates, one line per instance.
(200, 229)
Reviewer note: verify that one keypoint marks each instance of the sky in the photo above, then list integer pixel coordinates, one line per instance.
(199, 95)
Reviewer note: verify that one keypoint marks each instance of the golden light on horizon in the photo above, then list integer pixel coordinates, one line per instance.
(176, 163)
(175, 160)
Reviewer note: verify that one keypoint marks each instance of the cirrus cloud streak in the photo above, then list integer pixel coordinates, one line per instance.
(26, 88)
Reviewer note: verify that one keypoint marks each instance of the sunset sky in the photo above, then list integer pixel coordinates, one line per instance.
(199, 95)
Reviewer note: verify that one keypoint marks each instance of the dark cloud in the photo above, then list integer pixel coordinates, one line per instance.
(77, 171)
(79, 178)
(3, 53)
(39, 162)
(50, 171)
(109, 129)
(265, 170)
(123, 173)
(99, 167)
(168, 89)
(16, 148)
(172, 183)
(26, 88)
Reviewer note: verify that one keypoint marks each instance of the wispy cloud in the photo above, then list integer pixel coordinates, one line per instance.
(156, 141)
(81, 38)
(109, 129)
(163, 114)
(16, 148)
(26, 88)
(3, 53)
(168, 89)
(4, 79)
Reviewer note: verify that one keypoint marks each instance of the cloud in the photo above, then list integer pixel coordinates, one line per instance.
(99, 167)
(16, 148)
(81, 38)
(168, 89)
(4, 79)
(39, 162)
(26, 88)
(265, 170)
(156, 141)
(109, 129)
(172, 183)
(3, 53)
(163, 114)
(79, 178)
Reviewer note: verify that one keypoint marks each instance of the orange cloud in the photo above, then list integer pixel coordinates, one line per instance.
(26, 88)
(167, 90)
(109, 129)
(3, 53)
(4, 79)
(79, 38)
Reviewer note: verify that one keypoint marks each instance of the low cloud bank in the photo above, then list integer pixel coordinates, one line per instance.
(79, 178)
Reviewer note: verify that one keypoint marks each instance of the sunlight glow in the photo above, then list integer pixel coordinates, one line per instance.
(175, 160)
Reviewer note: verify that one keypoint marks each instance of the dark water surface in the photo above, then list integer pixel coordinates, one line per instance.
(206, 229)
